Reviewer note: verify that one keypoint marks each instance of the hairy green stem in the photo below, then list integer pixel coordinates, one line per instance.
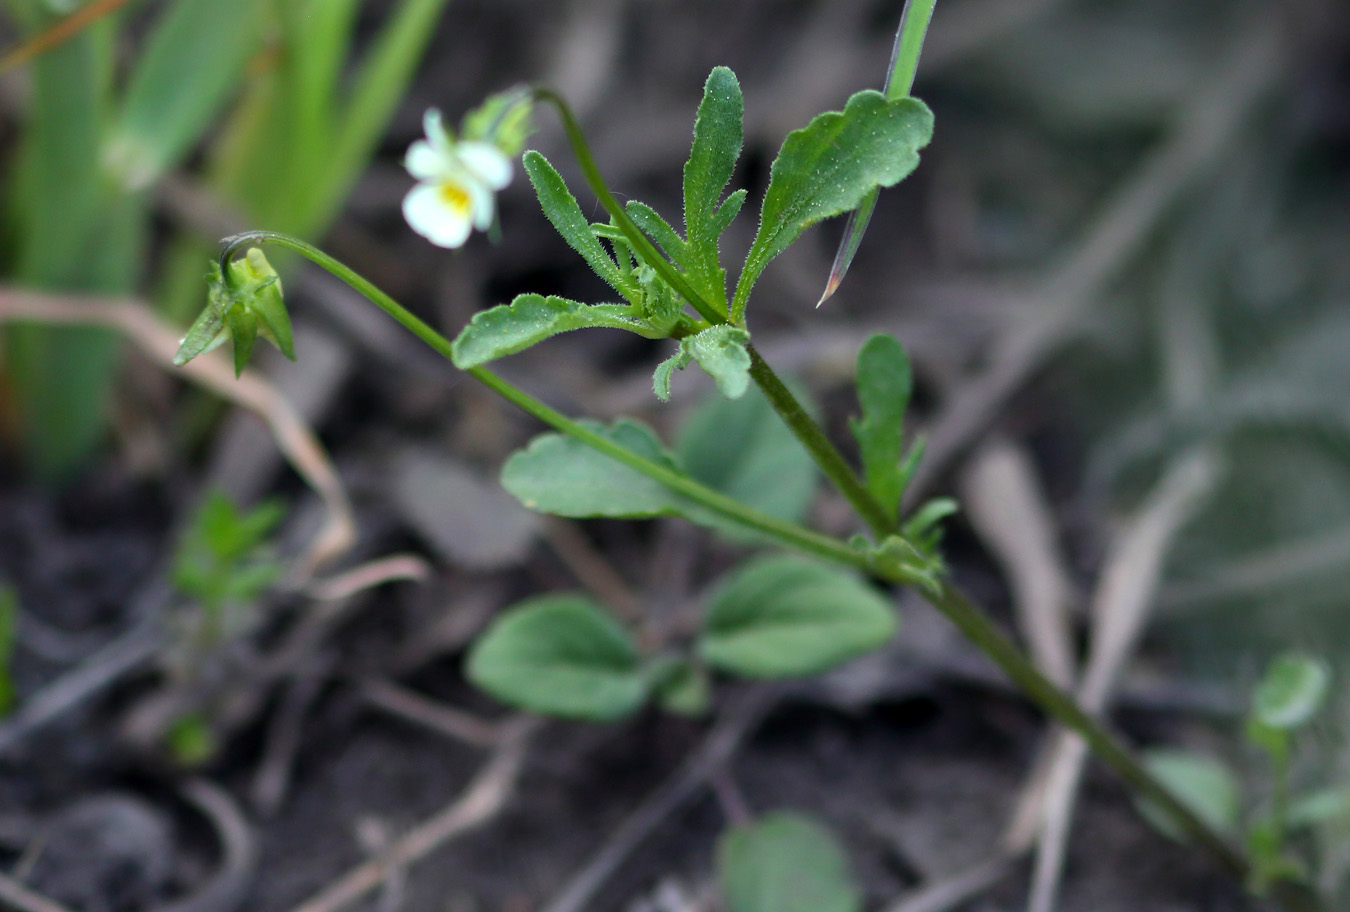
(826, 456)
(972, 622)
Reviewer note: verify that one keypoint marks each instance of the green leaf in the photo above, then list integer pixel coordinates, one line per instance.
(741, 448)
(223, 555)
(181, 79)
(659, 230)
(560, 655)
(712, 159)
(785, 862)
(828, 167)
(529, 319)
(557, 474)
(661, 376)
(682, 687)
(1319, 807)
(1292, 691)
(1201, 783)
(785, 616)
(566, 216)
(923, 527)
(377, 87)
(884, 385)
(898, 559)
(720, 350)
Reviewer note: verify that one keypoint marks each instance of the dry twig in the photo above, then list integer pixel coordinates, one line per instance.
(159, 342)
(479, 803)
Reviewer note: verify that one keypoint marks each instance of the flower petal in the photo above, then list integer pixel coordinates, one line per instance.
(482, 204)
(486, 162)
(424, 162)
(434, 127)
(429, 215)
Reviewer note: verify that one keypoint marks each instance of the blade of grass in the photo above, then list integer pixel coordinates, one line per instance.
(899, 81)
(376, 89)
(184, 75)
(59, 375)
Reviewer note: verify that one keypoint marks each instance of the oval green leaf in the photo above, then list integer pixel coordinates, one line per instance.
(557, 474)
(742, 449)
(785, 617)
(785, 862)
(1201, 783)
(1292, 691)
(560, 655)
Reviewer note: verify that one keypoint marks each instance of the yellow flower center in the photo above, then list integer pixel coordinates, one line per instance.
(454, 196)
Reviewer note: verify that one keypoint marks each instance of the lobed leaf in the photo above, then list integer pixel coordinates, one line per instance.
(561, 209)
(785, 616)
(712, 159)
(884, 383)
(785, 862)
(659, 230)
(529, 319)
(828, 167)
(560, 655)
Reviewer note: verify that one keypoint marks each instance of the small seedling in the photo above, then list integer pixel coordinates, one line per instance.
(223, 564)
(1286, 700)
(785, 862)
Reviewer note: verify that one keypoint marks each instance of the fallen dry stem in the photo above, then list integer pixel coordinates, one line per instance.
(158, 341)
(479, 803)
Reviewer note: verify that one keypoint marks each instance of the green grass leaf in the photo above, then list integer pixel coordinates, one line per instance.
(560, 655)
(785, 862)
(530, 319)
(557, 474)
(828, 167)
(181, 79)
(884, 385)
(784, 617)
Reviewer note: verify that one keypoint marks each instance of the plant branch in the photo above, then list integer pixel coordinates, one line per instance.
(646, 251)
(812, 438)
(972, 622)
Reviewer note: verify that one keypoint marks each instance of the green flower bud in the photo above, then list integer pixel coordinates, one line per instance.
(504, 120)
(242, 304)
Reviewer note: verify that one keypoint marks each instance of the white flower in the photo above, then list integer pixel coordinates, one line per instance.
(457, 181)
